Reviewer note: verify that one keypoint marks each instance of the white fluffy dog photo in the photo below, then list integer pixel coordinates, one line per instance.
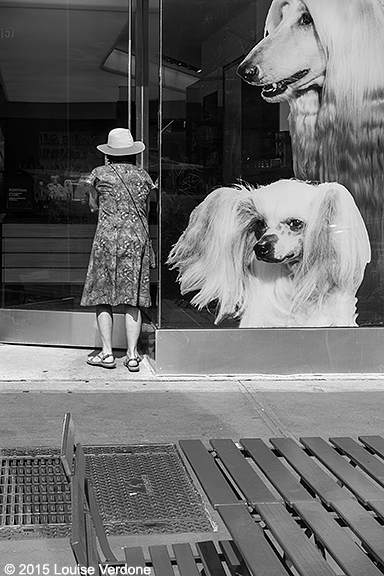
(325, 58)
(283, 255)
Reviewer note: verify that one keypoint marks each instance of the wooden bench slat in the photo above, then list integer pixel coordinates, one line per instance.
(370, 532)
(235, 562)
(160, 560)
(375, 443)
(258, 555)
(210, 559)
(213, 482)
(281, 478)
(186, 562)
(93, 558)
(98, 523)
(344, 550)
(360, 456)
(360, 485)
(378, 507)
(134, 556)
(77, 538)
(245, 477)
(67, 444)
(303, 553)
(321, 483)
(79, 466)
(86, 494)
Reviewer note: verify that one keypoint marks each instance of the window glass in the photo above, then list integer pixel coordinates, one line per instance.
(274, 252)
(217, 129)
(65, 83)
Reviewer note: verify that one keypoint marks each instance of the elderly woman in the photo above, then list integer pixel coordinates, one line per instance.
(121, 256)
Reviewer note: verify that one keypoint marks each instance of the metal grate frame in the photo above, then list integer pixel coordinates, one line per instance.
(140, 489)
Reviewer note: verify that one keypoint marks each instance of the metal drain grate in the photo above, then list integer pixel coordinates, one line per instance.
(35, 497)
(143, 489)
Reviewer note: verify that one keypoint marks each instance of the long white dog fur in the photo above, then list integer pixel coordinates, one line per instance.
(286, 254)
(325, 57)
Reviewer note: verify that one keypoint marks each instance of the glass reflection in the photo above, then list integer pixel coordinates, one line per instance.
(66, 82)
(217, 130)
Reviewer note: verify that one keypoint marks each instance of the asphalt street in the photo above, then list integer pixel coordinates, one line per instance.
(38, 385)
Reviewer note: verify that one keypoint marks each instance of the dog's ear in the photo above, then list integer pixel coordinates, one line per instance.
(336, 247)
(210, 254)
(272, 19)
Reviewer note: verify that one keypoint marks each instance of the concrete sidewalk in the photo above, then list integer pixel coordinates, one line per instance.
(49, 367)
(38, 385)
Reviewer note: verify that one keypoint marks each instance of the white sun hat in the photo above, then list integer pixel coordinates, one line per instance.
(121, 143)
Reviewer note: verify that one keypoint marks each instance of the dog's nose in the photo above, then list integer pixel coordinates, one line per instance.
(265, 247)
(248, 72)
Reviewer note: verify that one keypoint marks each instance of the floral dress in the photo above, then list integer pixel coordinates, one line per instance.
(121, 255)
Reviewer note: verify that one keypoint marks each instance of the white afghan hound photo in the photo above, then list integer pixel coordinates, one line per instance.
(283, 255)
(325, 57)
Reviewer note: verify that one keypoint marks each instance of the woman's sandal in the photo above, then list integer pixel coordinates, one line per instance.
(132, 364)
(100, 360)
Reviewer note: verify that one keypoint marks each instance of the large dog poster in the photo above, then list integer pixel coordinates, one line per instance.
(287, 227)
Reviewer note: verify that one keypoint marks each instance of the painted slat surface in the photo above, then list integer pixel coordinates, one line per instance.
(320, 482)
(213, 482)
(347, 532)
(251, 542)
(375, 443)
(185, 560)
(372, 465)
(364, 525)
(304, 555)
(210, 559)
(134, 556)
(283, 480)
(350, 557)
(161, 561)
(363, 488)
(250, 484)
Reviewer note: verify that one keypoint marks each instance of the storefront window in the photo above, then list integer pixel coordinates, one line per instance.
(225, 262)
(67, 78)
(70, 73)
(217, 130)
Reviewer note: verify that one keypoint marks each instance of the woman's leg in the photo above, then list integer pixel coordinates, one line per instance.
(104, 318)
(133, 329)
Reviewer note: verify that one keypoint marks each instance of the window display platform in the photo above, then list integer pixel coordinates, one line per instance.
(270, 351)
(62, 328)
(226, 352)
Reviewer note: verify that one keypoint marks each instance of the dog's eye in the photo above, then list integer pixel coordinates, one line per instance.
(258, 228)
(306, 19)
(295, 225)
